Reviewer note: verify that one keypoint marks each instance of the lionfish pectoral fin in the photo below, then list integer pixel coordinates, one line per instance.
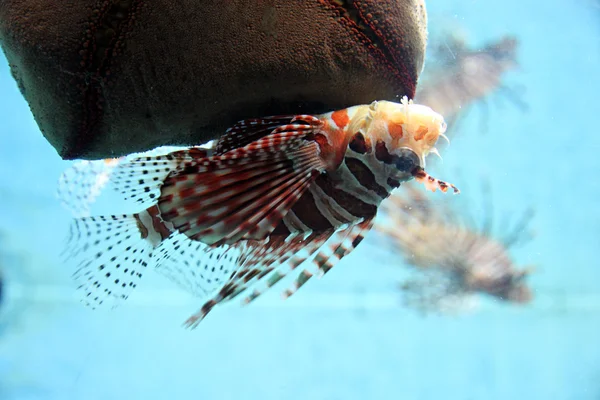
(276, 263)
(204, 271)
(331, 246)
(432, 183)
(244, 193)
(342, 243)
(223, 294)
(194, 320)
(286, 259)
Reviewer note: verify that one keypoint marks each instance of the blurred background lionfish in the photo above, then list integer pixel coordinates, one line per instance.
(457, 77)
(454, 256)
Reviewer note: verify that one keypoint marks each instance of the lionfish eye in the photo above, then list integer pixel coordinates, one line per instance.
(407, 160)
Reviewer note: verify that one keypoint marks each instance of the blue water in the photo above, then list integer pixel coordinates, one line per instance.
(346, 336)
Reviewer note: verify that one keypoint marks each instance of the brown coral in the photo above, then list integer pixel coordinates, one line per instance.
(105, 78)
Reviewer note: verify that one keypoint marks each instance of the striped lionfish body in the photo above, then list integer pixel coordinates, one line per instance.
(273, 193)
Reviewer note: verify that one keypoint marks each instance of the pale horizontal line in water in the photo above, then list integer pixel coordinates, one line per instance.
(549, 301)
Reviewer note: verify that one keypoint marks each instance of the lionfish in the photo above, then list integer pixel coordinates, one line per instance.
(272, 193)
(468, 76)
(454, 258)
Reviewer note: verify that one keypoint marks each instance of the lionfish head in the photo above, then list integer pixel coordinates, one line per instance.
(409, 131)
(498, 277)
(518, 291)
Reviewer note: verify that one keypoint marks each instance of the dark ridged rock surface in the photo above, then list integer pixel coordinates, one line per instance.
(106, 78)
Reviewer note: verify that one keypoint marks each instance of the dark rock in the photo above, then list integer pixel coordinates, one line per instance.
(106, 78)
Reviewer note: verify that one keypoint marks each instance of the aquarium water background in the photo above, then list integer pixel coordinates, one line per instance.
(347, 336)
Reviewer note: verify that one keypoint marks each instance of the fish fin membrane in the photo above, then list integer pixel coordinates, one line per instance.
(339, 245)
(260, 260)
(109, 255)
(221, 273)
(194, 266)
(266, 263)
(243, 194)
(81, 184)
(250, 130)
(140, 178)
(282, 260)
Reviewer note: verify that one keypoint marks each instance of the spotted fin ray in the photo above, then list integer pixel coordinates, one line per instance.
(261, 260)
(110, 258)
(140, 179)
(80, 185)
(271, 262)
(342, 243)
(251, 130)
(111, 253)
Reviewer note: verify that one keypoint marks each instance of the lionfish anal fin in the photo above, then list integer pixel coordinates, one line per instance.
(244, 193)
